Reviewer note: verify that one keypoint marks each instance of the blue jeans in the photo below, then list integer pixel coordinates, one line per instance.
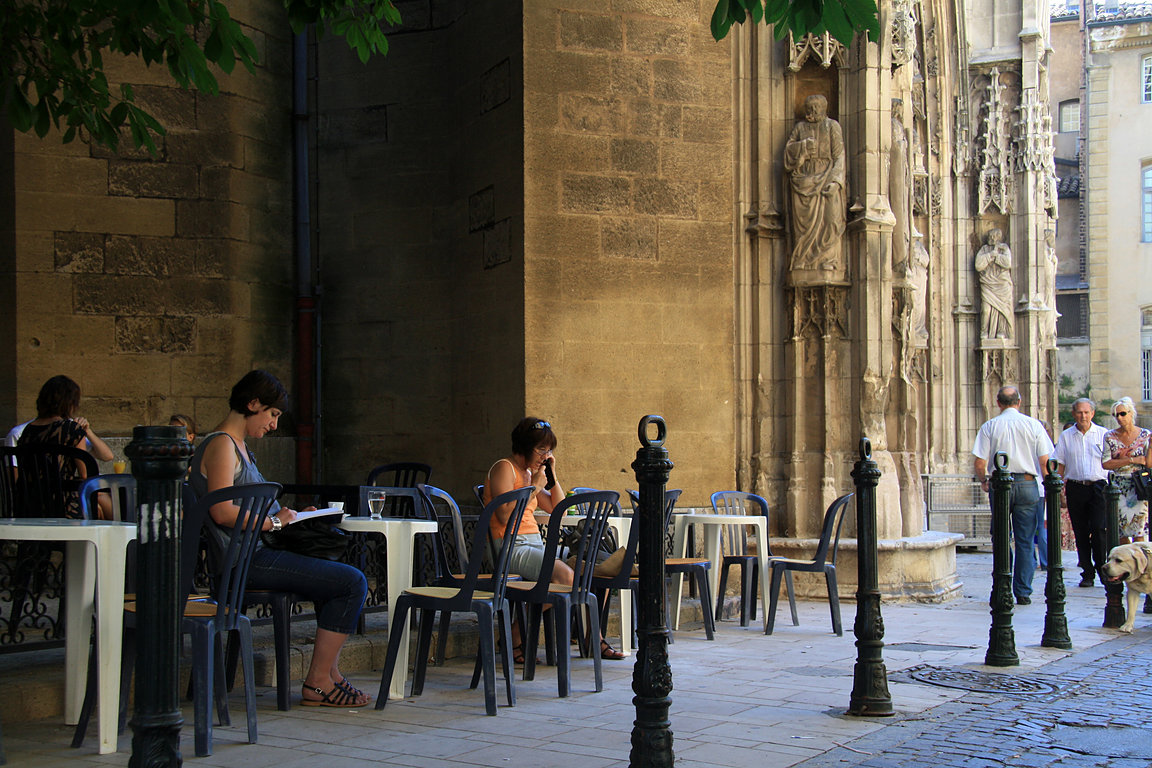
(338, 590)
(1042, 535)
(1026, 506)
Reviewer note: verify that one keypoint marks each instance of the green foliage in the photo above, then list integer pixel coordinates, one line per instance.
(52, 68)
(841, 18)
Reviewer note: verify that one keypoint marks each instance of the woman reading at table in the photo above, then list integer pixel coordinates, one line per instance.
(338, 590)
(532, 463)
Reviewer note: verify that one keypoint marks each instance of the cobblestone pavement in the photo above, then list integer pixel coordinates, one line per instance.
(1098, 713)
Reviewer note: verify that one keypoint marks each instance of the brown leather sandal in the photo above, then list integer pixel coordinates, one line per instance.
(608, 652)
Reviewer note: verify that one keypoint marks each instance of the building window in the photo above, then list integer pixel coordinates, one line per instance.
(1146, 203)
(1146, 359)
(1146, 351)
(1072, 323)
(1070, 116)
(1146, 80)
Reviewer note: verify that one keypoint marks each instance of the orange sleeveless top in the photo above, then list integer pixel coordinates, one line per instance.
(528, 522)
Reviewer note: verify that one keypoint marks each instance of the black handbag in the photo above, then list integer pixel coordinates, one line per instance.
(314, 538)
(1142, 483)
(571, 537)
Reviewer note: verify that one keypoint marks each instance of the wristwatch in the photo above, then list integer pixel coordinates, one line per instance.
(277, 524)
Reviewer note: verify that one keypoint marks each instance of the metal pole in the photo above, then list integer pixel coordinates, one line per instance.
(652, 674)
(159, 457)
(1114, 610)
(1001, 638)
(1055, 622)
(870, 694)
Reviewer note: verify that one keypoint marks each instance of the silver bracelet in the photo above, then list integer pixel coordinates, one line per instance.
(277, 524)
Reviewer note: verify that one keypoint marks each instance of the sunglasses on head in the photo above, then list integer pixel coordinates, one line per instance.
(541, 425)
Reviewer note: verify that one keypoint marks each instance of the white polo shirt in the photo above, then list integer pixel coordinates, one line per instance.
(1021, 437)
(1082, 453)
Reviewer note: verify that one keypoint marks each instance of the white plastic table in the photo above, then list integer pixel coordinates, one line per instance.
(713, 526)
(95, 554)
(400, 539)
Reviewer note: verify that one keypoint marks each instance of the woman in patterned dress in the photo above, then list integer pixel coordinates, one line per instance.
(1128, 447)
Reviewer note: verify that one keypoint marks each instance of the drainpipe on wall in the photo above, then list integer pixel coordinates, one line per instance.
(305, 295)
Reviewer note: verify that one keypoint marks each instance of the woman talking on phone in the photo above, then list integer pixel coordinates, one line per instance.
(338, 590)
(531, 463)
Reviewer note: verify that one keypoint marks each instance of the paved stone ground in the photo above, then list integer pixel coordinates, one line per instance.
(1100, 714)
(745, 700)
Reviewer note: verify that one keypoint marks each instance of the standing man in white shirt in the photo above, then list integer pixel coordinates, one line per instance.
(1080, 453)
(1028, 447)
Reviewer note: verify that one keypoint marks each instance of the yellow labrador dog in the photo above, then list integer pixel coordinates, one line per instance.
(1129, 563)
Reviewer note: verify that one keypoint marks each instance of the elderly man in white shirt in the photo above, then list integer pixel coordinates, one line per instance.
(1028, 447)
(1080, 453)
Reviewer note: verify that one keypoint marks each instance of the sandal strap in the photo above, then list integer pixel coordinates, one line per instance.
(338, 696)
(346, 686)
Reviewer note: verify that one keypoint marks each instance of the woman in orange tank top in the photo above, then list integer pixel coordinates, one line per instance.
(533, 443)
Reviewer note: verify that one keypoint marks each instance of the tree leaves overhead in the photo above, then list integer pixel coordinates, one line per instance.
(52, 55)
(840, 18)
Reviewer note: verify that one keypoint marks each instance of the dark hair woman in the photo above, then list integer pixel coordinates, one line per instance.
(338, 590)
(56, 423)
(531, 463)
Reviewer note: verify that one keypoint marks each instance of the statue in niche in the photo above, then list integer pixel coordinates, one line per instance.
(814, 158)
(918, 277)
(898, 186)
(994, 263)
(1048, 285)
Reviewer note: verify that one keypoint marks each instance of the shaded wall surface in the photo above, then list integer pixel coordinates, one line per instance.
(154, 282)
(419, 186)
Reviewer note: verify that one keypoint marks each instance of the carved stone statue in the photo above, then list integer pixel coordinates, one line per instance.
(1048, 286)
(814, 157)
(918, 277)
(994, 263)
(898, 186)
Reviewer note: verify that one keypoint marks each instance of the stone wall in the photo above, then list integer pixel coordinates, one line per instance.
(629, 217)
(1118, 260)
(528, 210)
(155, 282)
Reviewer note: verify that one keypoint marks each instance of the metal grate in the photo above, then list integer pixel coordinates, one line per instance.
(982, 682)
(956, 504)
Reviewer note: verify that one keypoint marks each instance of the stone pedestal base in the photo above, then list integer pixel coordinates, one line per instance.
(920, 568)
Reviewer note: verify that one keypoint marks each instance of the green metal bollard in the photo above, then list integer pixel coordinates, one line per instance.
(159, 458)
(1055, 622)
(1001, 638)
(870, 694)
(652, 674)
(1114, 611)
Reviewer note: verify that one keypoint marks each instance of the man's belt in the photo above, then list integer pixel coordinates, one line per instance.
(1085, 482)
(1023, 476)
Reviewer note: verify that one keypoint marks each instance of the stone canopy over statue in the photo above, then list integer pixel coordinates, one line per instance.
(814, 159)
(994, 264)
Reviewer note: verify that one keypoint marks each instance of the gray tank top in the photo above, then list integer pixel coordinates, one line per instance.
(248, 474)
